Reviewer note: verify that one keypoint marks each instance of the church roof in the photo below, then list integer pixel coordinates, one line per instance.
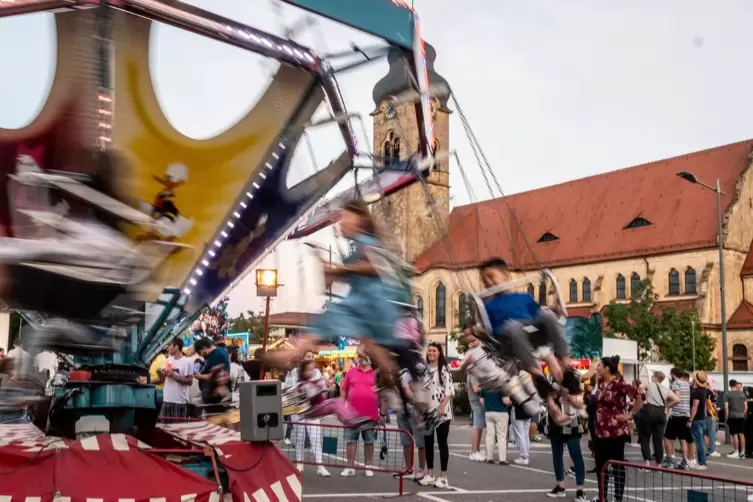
(398, 80)
(742, 318)
(638, 211)
(747, 270)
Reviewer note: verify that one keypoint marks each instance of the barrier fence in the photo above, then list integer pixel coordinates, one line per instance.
(367, 450)
(656, 484)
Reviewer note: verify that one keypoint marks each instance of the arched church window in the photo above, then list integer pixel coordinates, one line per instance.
(573, 291)
(674, 282)
(396, 150)
(420, 306)
(464, 310)
(387, 151)
(440, 306)
(531, 291)
(739, 357)
(586, 290)
(542, 293)
(621, 287)
(690, 281)
(635, 284)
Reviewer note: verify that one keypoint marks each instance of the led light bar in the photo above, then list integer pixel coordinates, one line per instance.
(225, 30)
(217, 243)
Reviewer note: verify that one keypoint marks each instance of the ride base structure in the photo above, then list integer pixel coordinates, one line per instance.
(101, 160)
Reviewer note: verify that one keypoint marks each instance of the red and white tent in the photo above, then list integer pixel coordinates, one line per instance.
(119, 468)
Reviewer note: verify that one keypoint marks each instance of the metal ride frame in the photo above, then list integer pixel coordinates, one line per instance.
(228, 31)
(334, 460)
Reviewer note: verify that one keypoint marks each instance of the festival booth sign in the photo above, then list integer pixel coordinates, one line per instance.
(106, 467)
(193, 186)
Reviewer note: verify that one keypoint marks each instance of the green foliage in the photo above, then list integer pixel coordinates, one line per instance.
(680, 331)
(671, 332)
(635, 320)
(462, 348)
(251, 323)
(586, 337)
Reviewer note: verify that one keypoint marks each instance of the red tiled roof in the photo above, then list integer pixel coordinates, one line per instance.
(589, 216)
(292, 319)
(742, 318)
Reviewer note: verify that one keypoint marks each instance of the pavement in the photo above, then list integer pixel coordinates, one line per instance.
(472, 481)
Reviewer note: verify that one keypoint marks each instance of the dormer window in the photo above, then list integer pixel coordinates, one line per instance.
(548, 237)
(638, 223)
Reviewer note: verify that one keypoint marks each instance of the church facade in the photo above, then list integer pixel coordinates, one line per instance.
(599, 235)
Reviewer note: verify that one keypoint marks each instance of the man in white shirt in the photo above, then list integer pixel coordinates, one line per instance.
(46, 362)
(177, 376)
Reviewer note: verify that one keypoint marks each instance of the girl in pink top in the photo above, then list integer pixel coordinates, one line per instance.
(316, 390)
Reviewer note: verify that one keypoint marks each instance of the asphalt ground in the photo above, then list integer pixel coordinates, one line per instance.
(472, 481)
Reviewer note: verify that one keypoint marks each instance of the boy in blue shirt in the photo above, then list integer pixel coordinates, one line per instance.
(510, 313)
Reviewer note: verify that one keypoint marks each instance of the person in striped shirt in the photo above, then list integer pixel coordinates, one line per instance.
(679, 420)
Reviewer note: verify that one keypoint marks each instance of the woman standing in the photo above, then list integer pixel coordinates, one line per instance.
(611, 424)
(439, 382)
(653, 418)
(567, 436)
(521, 430)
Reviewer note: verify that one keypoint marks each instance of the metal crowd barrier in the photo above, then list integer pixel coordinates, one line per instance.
(388, 454)
(656, 484)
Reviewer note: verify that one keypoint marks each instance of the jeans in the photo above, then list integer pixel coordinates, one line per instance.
(558, 451)
(521, 429)
(712, 427)
(698, 430)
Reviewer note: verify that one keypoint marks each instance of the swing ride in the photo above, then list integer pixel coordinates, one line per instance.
(107, 211)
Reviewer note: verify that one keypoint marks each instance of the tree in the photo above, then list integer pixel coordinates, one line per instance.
(455, 335)
(669, 331)
(250, 323)
(586, 337)
(676, 344)
(635, 320)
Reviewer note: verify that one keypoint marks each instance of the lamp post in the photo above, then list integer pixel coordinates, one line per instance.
(266, 286)
(690, 177)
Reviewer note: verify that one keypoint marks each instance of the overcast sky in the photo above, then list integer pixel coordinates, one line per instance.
(554, 90)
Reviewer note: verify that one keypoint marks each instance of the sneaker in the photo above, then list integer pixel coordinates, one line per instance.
(521, 461)
(476, 456)
(683, 466)
(348, 472)
(287, 441)
(427, 480)
(321, 471)
(536, 438)
(503, 462)
(420, 474)
(580, 496)
(742, 455)
(368, 473)
(571, 471)
(441, 483)
(667, 463)
(556, 492)
(699, 467)
(490, 461)
(734, 454)
(299, 467)
(714, 454)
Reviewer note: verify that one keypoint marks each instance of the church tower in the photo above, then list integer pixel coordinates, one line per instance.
(410, 225)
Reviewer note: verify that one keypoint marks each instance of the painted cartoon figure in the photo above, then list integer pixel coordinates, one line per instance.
(163, 209)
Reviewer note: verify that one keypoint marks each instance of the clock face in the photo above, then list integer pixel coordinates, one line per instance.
(391, 110)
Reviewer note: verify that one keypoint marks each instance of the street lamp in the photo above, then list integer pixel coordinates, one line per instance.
(690, 177)
(266, 285)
